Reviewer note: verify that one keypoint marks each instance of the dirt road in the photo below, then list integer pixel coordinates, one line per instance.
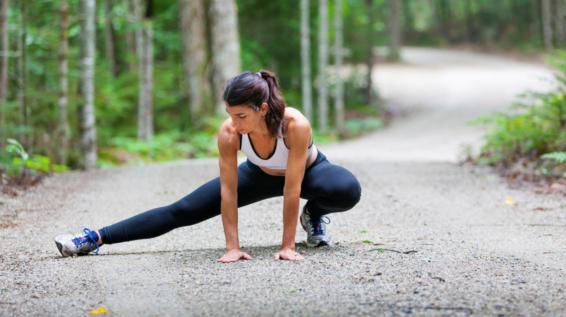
(428, 237)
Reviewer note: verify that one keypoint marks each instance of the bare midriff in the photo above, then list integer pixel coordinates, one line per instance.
(277, 172)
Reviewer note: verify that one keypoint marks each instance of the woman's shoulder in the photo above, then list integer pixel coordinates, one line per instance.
(228, 136)
(296, 124)
(294, 119)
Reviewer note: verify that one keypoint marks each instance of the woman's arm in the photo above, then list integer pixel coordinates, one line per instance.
(298, 136)
(228, 144)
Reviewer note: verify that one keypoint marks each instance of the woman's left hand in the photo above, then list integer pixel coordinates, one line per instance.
(288, 254)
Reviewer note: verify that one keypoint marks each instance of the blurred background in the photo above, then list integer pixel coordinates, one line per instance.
(86, 84)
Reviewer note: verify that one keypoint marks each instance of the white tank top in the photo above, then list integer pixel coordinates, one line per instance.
(277, 159)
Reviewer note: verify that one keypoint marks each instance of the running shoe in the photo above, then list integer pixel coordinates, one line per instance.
(81, 244)
(316, 229)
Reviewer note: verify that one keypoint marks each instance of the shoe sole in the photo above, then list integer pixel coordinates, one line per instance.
(318, 244)
(61, 250)
(60, 247)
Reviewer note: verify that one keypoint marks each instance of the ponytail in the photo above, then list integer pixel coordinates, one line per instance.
(275, 102)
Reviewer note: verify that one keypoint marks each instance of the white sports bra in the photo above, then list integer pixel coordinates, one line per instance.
(277, 159)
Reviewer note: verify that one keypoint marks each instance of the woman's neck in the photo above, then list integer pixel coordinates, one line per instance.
(261, 131)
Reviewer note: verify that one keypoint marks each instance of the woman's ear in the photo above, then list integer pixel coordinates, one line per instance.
(264, 108)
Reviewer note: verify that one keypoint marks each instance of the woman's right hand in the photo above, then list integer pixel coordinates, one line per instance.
(234, 256)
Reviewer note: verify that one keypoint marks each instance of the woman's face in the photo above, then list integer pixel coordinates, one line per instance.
(245, 119)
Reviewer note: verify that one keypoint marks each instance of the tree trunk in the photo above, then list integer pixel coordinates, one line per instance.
(5, 50)
(535, 25)
(22, 78)
(193, 34)
(469, 24)
(110, 38)
(559, 22)
(339, 94)
(138, 31)
(394, 30)
(306, 59)
(145, 106)
(442, 12)
(546, 11)
(369, 60)
(225, 46)
(88, 120)
(322, 65)
(131, 51)
(63, 126)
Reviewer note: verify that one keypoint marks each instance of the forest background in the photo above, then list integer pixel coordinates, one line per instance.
(86, 84)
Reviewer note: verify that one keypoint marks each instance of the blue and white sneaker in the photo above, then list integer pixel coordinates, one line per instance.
(81, 244)
(316, 229)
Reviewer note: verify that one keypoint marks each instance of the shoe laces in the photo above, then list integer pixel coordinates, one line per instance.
(85, 239)
(317, 225)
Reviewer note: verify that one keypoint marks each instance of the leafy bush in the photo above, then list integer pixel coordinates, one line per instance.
(559, 157)
(536, 128)
(163, 147)
(14, 161)
(554, 164)
(355, 127)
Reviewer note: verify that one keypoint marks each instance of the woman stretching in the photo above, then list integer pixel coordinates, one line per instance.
(281, 161)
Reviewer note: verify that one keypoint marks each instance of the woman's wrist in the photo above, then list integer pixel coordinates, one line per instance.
(232, 245)
(290, 246)
(288, 239)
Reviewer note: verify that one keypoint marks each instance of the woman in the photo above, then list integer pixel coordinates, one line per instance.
(282, 160)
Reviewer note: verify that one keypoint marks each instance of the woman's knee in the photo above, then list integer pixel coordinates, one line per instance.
(346, 192)
(352, 193)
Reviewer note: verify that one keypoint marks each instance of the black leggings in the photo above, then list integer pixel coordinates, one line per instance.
(327, 187)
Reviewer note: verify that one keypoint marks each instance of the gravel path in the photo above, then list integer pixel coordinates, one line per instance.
(428, 238)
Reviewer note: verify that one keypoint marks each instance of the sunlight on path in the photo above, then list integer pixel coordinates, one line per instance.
(440, 91)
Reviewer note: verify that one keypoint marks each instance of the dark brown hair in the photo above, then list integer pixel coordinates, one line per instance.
(253, 89)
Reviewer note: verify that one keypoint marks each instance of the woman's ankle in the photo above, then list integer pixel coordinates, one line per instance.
(99, 241)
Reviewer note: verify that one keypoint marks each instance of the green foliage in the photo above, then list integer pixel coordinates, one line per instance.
(539, 129)
(559, 157)
(502, 24)
(14, 160)
(269, 38)
(326, 138)
(535, 128)
(116, 103)
(554, 165)
(16, 149)
(355, 92)
(166, 146)
(11, 158)
(355, 127)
